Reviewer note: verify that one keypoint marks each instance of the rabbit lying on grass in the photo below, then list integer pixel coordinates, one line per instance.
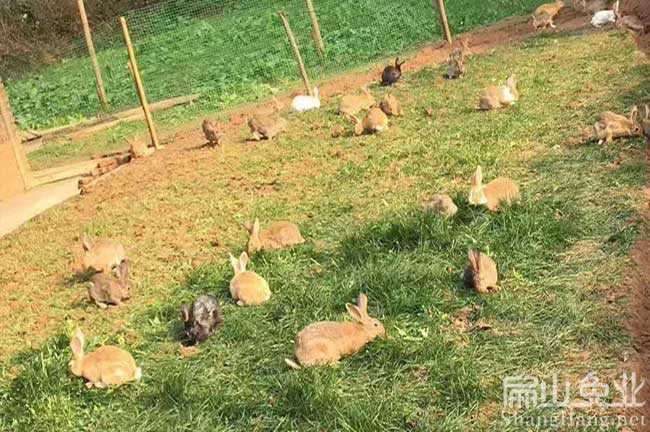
(107, 366)
(350, 105)
(278, 235)
(266, 127)
(391, 106)
(325, 342)
(495, 97)
(611, 125)
(498, 191)
(374, 122)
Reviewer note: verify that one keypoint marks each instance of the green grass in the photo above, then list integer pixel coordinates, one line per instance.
(235, 54)
(560, 252)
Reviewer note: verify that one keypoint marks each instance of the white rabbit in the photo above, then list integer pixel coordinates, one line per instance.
(305, 103)
(603, 17)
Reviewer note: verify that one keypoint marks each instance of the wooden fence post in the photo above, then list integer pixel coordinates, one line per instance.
(15, 175)
(443, 20)
(101, 91)
(133, 65)
(296, 53)
(315, 29)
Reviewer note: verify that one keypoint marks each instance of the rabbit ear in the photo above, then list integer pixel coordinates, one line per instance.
(354, 312)
(512, 81)
(634, 114)
(243, 260)
(647, 112)
(124, 269)
(85, 242)
(185, 313)
(477, 178)
(77, 343)
(362, 304)
(256, 227)
(471, 256)
(234, 262)
(249, 226)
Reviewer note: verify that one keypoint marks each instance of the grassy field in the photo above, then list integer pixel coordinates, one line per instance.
(561, 254)
(235, 54)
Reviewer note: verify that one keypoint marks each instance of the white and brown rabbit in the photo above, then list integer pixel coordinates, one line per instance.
(391, 106)
(102, 254)
(278, 235)
(202, 318)
(246, 287)
(105, 289)
(481, 273)
(499, 191)
(266, 127)
(212, 133)
(375, 121)
(324, 343)
(495, 97)
(543, 15)
(350, 105)
(611, 125)
(107, 366)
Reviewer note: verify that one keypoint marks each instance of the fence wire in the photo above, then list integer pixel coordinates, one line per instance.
(228, 50)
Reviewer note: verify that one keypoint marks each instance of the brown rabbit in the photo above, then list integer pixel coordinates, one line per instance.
(456, 63)
(543, 15)
(441, 205)
(492, 195)
(140, 149)
(267, 110)
(351, 105)
(391, 106)
(374, 122)
(324, 343)
(211, 132)
(246, 287)
(278, 235)
(611, 125)
(266, 127)
(101, 255)
(481, 273)
(495, 97)
(107, 366)
(104, 289)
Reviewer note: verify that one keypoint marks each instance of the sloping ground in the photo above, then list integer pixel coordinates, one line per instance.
(357, 199)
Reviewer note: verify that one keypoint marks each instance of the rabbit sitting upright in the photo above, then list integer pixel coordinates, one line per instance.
(202, 319)
(101, 255)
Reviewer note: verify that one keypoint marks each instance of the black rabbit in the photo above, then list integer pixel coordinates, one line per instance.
(203, 319)
(392, 73)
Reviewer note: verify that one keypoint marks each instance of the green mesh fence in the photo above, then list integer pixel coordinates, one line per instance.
(228, 50)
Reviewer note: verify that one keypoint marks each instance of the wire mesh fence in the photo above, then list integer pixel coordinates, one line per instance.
(228, 50)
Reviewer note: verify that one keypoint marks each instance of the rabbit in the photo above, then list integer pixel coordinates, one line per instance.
(212, 133)
(101, 255)
(267, 110)
(324, 343)
(481, 273)
(603, 18)
(350, 105)
(442, 205)
(104, 289)
(107, 366)
(543, 16)
(202, 319)
(645, 123)
(500, 190)
(374, 122)
(611, 125)
(246, 287)
(456, 63)
(495, 97)
(266, 127)
(278, 235)
(391, 106)
(392, 73)
(305, 103)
